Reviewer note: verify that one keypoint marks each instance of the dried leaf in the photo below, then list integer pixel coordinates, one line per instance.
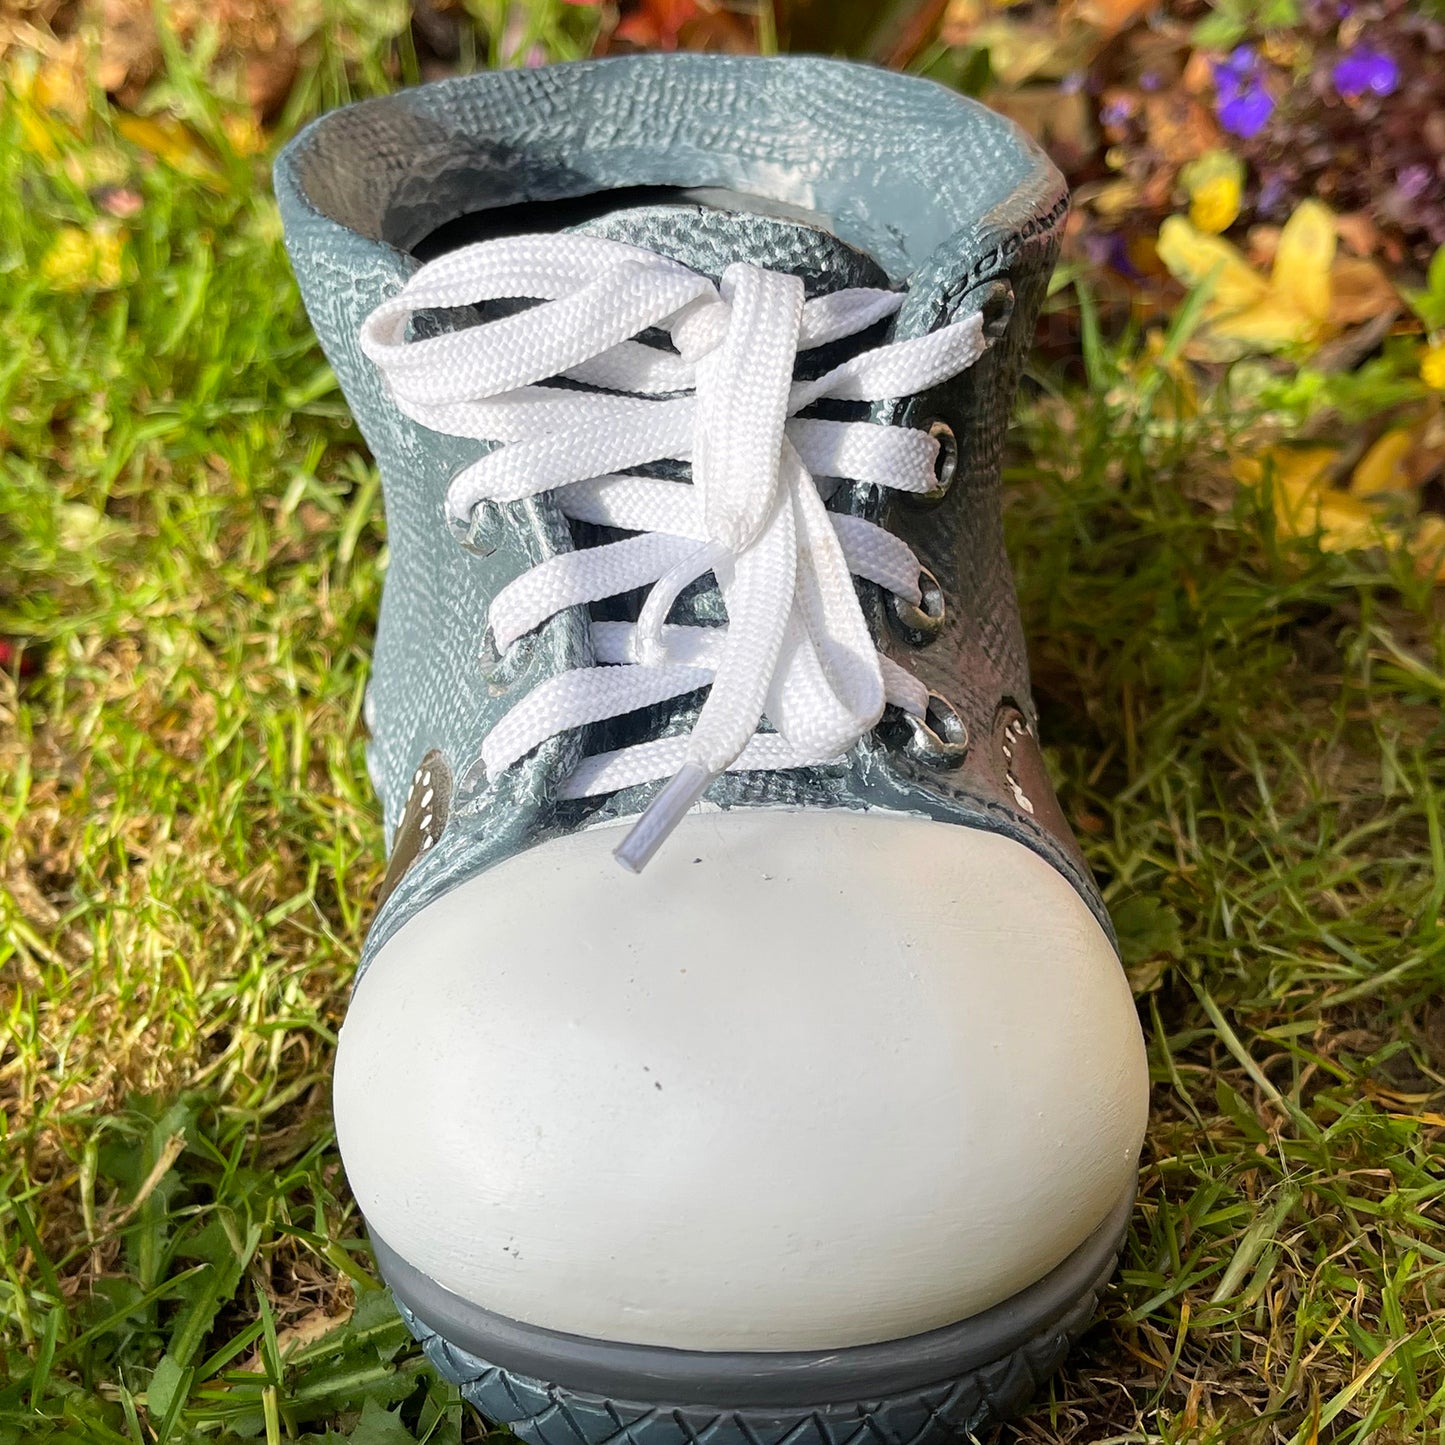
(960, 20)
(130, 51)
(1109, 17)
(1359, 292)
(1382, 469)
(1359, 232)
(1061, 121)
(1020, 50)
(313, 1326)
(655, 24)
(1307, 505)
(1300, 471)
(1178, 127)
(1427, 547)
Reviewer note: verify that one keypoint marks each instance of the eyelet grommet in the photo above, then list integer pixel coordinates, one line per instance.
(945, 465)
(939, 739)
(489, 655)
(480, 532)
(918, 623)
(997, 308)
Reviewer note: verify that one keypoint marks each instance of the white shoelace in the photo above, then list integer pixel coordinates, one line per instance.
(796, 648)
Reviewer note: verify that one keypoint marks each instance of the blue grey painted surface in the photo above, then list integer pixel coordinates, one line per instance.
(896, 175)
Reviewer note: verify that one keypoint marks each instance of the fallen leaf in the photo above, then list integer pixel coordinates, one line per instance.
(1109, 17)
(1427, 547)
(1023, 50)
(1382, 469)
(1359, 292)
(1359, 232)
(129, 53)
(1306, 504)
(269, 76)
(1061, 121)
(1301, 471)
(1344, 523)
(1179, 128)
(313, 1326)
(655, 24)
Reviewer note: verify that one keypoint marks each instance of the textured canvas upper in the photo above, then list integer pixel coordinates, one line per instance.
(854, 177)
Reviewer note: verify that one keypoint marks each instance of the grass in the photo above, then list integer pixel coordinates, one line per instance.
(1247, 732)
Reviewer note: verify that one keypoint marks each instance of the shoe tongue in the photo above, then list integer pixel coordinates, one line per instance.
(709, 239)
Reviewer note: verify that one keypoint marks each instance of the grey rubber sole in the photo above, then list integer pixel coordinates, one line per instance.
(557, 1389)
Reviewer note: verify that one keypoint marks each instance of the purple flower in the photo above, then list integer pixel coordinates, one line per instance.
(1229, 73)
(1115, 113)
(1366, 71)
(1245, 112)
(1413, 182)
(1110, 250)
(1244, 104)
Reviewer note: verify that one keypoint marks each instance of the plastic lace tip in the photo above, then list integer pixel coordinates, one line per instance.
(662, 815)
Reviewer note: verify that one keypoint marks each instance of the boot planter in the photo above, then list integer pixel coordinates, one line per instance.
(818, 1117)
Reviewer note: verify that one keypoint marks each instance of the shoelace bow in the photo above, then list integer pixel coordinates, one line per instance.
(796, 647)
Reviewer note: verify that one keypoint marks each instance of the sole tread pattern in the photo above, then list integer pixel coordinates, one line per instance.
(543, 1413)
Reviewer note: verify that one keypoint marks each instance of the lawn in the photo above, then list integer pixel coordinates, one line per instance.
(1243, 712)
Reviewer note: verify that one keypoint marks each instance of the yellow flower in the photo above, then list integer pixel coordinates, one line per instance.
(1432, 367)
(171, 143)
(243, 134)
(1215, 183)
(80, 260)
(1214, 206)
(1247, 312)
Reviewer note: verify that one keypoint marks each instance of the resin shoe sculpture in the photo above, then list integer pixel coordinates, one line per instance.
(740, 1053)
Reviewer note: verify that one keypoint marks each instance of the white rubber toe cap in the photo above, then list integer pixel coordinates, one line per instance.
(815, 1079)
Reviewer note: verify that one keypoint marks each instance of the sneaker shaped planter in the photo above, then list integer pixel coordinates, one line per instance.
(817, 1119)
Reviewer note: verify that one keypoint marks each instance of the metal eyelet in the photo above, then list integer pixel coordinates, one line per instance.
(945, 465)
(480, 532)
(997, 308)
(489, 656)
(939, 739)
(918, 623)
